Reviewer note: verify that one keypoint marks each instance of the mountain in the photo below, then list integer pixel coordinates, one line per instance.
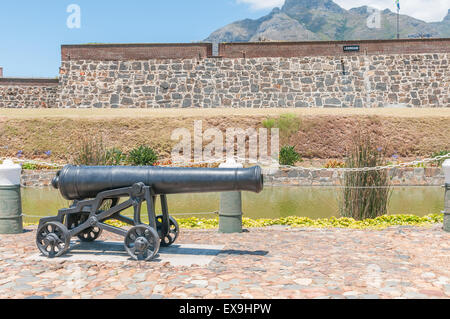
(444, 26)
(308, 20)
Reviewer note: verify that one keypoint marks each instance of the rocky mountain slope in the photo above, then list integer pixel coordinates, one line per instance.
(308, 20)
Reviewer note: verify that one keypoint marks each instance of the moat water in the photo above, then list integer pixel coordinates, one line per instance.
(273, 202)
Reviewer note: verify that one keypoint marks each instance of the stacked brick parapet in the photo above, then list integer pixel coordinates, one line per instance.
(332, 48)
(139, 51)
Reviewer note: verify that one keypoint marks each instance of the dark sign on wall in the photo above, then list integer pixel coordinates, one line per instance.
(351, 48)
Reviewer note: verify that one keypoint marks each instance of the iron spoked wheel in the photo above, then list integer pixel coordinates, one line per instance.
(88, 235)
(174, 230)
(53, 239)
(142, 242)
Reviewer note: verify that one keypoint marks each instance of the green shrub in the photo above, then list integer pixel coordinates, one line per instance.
(288, 124)
(365, 193)
(38, 166)
(29, 166)
(288, 156)
(440, 153)
(92, 152)
(115, 157)
(269, 123)
(142, 156)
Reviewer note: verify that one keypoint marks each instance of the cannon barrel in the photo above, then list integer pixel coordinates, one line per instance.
(81, 182)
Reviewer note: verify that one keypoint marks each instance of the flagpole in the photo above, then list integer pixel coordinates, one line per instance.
(398, 23)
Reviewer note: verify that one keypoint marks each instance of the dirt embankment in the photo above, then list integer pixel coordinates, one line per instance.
(319, 136)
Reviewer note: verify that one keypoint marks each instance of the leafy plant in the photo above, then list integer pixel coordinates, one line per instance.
(289, 156)
(115, 156)
(142, 156)
(334, 164)
(38, 166)
(440, 153)
(29, 166)
(365, 193)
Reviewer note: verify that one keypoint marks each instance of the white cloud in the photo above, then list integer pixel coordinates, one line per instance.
(427, 10)
(262, 4)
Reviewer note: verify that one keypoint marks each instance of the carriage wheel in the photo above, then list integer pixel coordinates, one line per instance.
(53, 239)
(174, 230)
(142, 242)
(89, 234)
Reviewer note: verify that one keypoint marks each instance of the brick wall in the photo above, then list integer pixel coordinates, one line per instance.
(332, 48)
(126, 52)
(28, 93)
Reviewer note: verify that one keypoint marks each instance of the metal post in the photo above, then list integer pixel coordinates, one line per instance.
(447, 208)
(446, 168)
(230, 213)
(10, 198)
(398, 24)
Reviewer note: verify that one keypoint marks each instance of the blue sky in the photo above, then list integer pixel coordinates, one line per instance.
(33, 31)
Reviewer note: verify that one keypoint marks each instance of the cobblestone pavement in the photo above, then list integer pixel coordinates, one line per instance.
(400, 262)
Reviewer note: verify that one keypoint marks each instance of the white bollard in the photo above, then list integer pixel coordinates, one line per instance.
(446, 168)
(230, 213)
(10, 199)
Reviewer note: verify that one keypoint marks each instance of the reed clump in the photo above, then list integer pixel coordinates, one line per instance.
(365, 194)
(91, 152)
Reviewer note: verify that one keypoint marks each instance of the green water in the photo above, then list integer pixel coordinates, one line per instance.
(273, 202)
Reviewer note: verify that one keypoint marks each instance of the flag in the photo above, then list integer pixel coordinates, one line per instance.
(397, 2)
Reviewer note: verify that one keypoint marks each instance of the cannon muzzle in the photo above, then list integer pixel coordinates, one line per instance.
(81, 182)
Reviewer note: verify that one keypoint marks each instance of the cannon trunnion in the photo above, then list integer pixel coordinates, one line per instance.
(96, 193)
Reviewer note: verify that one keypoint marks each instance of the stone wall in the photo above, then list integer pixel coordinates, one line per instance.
(413, 73)
(286, 177)
(399, 177)
(28, 93)
(416, 80)
(37, 178)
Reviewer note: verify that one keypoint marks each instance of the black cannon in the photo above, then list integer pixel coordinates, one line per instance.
(96, 192)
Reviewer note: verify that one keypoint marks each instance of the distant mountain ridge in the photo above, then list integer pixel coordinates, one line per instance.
(310, 20)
